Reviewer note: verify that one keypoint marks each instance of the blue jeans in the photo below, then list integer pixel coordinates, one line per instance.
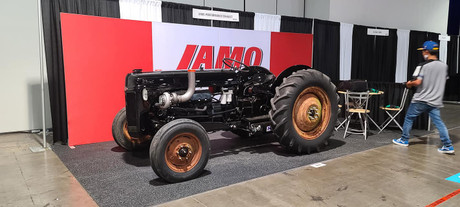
(415, 109)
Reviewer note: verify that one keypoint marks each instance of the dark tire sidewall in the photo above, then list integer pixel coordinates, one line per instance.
(293, 86)
(331, 94)
(161, 140)
(117, 131)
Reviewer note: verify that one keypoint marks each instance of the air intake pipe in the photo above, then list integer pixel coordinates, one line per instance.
(166, 99)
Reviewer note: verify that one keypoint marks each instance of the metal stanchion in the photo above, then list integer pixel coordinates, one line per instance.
(42, 79)
(429, 123)
(458, 49)
(42, 71)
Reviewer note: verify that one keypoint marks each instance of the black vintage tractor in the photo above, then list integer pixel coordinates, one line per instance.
(173, 111)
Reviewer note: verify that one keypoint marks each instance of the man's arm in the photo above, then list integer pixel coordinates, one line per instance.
(413, 83)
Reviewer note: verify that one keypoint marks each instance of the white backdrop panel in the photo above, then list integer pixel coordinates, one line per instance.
(402, 55)
(267, 22)
(170, 41)
(146, 10)
(443, 50)
(346, 38)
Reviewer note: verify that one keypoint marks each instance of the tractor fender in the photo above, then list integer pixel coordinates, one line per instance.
(287, 72)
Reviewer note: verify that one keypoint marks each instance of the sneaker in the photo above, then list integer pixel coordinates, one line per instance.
(446, 150)
(401, 142)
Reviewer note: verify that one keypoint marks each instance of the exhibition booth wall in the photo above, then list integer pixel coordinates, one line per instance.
(100, 51)
(341, 51)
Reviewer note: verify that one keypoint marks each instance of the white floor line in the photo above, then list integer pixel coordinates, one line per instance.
(437, 132)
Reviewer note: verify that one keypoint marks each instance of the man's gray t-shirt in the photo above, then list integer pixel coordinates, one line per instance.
(433, 75)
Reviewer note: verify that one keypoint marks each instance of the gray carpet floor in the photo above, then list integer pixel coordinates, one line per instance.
(114, 177)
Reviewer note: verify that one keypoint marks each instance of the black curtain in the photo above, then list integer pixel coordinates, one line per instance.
(392, 96)
(453, 23)
(296, 24)
(246, 20)
(326, 48)
(452, 55)
(452, 92)
(182, 14)
(373, 57)
(416, 40)
(51, 10)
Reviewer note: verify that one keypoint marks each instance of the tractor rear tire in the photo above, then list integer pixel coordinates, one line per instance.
(304, 111)
(180, 150)
(123, 138)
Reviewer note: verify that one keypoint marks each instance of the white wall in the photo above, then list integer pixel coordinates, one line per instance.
(424, 15)
(281, 7)
(291, 7)
(20, 105)
(261, 6)
(191, 2)
(317, 9)
(234, 4)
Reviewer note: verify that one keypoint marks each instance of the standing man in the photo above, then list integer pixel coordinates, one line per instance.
(430, 80)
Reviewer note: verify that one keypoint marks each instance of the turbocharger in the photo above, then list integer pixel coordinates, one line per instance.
(167, 99)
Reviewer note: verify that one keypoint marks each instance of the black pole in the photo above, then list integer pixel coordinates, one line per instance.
(276, 7)
(304, 5)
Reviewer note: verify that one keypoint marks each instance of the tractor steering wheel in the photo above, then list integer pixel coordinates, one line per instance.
(231, 63)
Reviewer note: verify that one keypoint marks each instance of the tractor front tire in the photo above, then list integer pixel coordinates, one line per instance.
(123, 138)
(304, 111)
(180, 150)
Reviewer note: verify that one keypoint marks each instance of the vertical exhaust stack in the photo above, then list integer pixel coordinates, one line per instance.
(166, 99)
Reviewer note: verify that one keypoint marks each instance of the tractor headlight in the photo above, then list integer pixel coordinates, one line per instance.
(145, 94)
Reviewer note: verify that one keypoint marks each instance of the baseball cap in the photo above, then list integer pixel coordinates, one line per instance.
(429, 45)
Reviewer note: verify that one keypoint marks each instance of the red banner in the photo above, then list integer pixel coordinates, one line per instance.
(98, 53)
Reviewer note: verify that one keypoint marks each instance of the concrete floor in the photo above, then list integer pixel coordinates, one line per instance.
(386, 176)
(36, 179)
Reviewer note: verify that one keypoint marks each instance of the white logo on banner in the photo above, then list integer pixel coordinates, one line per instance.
(177, 46)
(216, 15)
(197, 56)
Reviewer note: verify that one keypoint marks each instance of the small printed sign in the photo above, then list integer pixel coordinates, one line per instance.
(378, 32)
(269, 129)
(454, 178)
(216, 15)
(444, 38)
(318, 165)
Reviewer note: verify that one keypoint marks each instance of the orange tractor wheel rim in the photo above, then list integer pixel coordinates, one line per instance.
(311, 113)
(133, 139)
(183, 152)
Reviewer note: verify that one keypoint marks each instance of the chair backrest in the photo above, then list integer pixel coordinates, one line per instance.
(353, 85)
(403, 98)
(356, 100)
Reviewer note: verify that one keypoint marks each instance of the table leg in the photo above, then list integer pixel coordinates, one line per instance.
(429, 123)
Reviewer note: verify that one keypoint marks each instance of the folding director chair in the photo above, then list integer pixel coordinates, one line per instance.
(356, 103)
(394, 111)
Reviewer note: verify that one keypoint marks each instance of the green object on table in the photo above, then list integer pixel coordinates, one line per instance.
(392, 106)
